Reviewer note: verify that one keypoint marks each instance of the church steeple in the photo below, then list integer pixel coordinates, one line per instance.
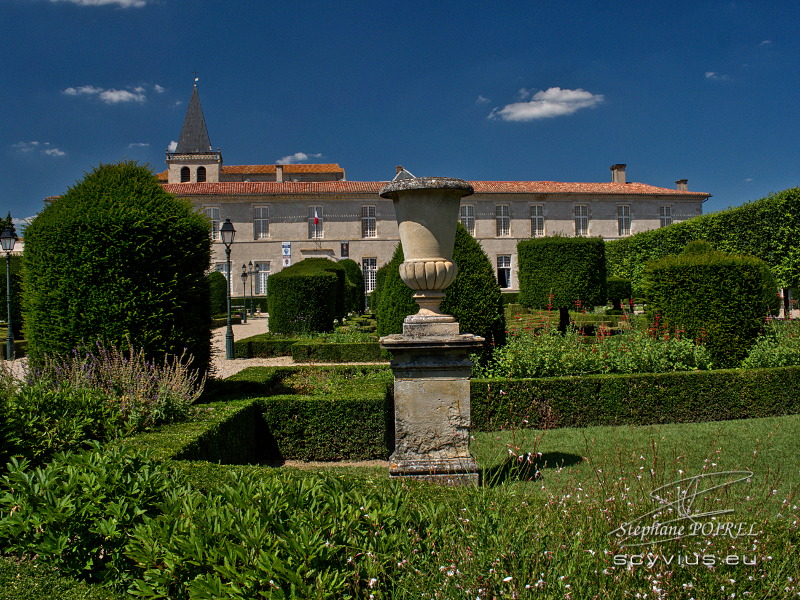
(194, 135)
(193, 160)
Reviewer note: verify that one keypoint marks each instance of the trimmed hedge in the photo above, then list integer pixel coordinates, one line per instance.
(306, 297)
(218, 292)
(264, 345)
(617, 290)
(353, 422)
(321, 351)
(393, 299)
(768, 229)
(719, 298)
(117, 258)
(643, 399)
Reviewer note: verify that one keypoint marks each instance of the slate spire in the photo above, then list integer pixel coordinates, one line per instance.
(194, 135)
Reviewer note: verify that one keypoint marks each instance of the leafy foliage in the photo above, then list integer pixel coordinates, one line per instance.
(116, 258)
(96, 396)
(778, 346)
(77, 513)
(714, 297)
(768, 229)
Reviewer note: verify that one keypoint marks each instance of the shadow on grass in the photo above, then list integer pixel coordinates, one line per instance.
(528, 467)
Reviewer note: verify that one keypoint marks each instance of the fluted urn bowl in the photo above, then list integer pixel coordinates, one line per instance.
(427, 212)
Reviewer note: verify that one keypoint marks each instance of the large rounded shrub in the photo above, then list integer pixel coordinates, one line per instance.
(562, 273)
(474, 297)
(116, 258)
(306, 297)
(717, 298)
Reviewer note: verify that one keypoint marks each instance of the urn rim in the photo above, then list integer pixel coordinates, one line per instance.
(391, 189)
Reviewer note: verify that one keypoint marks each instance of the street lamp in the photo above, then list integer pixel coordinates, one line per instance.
(7, 239)
(227, 232)
(244, 291)
(251, 273)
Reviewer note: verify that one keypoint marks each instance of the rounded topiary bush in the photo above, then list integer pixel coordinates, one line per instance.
(562, 273)
(473, 298)
(218, 292)
(118, 259)
(306, 296)
(719, 299)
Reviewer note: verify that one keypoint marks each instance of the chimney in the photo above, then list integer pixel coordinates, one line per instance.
(618, 173)
(682, 184)
(279, 173)
(398, 169)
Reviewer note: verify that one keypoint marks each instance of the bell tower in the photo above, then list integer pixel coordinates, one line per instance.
(193, 160)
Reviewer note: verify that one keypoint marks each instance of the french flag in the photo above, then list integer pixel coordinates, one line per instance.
(316, 217)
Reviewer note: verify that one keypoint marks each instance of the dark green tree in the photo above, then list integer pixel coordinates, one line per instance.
(561, 273)
(617, 290)
(117, 259)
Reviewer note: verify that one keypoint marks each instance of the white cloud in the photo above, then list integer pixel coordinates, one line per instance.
(296, 157)
(138, 145)
(173, 145)
(40, 147)
(118, 3)
(715, 76)
(482, 100)
(766, 43)
(553, 102)
(118, 96)
(109, 96)
(159, 89)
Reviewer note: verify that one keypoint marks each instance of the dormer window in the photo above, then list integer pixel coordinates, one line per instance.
(186, 175)
(201, 174)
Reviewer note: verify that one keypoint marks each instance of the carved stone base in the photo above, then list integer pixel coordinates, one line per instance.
(432, 407)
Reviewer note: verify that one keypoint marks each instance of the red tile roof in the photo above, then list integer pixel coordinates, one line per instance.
(261, 169)
(249, 188)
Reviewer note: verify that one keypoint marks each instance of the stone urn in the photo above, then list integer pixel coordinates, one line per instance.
(427, 211)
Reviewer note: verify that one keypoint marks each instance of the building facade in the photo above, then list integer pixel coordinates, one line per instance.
(285, 213)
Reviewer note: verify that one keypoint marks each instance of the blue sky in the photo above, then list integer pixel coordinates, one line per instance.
(536, 90)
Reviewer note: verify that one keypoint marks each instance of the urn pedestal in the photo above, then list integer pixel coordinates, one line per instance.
(431, 357)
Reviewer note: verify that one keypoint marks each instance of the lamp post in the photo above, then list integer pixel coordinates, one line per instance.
(227, 233)
(8, 238)
(244, 292)
(251, 273)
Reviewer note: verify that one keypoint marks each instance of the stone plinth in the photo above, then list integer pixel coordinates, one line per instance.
(432, 403)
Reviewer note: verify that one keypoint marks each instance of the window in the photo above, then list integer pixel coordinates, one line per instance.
(537, 220)
(260, 222)
(504, 270)
(503, 216)
(581, 219)
(261, 277)
(466, 214)
(201, 174)
(369, 266)
(212, 212)
(665, 215)
(186, 175)
(624, 219)
(315, 222)
(222, 267)
(368, 228)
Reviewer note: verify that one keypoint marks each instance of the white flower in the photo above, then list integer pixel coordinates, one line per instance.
(507, 579)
